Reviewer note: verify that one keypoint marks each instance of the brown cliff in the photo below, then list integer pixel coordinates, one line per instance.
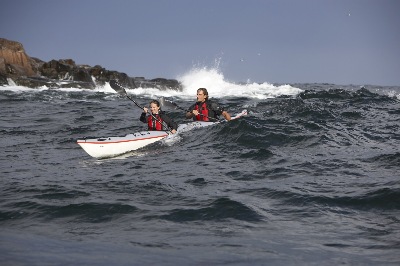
(13, 59)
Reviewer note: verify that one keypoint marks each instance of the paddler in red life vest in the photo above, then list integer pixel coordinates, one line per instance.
(158, 120)
(206, 110)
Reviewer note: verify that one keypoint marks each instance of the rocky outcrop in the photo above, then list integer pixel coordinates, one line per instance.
(3, 79)
(13, 59)
(159, 83)
(64, 73)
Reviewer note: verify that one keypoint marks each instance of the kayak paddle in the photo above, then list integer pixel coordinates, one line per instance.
(118, 88)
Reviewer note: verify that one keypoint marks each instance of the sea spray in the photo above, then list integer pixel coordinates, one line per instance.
(198, 77)
(218, 87)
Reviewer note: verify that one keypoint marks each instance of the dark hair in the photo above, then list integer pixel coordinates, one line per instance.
(156, 102)
(204, 90)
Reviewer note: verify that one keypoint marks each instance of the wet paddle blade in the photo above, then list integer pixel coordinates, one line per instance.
(117, 87)
(168, 104)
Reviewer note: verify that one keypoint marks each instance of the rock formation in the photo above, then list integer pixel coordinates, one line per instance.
(32, 72)
(13, 59)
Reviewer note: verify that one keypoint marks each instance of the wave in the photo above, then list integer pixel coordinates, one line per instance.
(386, 160)
(381, 199)
(336, 92)
(218, 210)
(197, 77)
(92, 212)
(217, 86)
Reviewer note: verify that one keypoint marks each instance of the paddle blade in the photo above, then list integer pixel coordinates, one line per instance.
(168, 104)
(117, 87)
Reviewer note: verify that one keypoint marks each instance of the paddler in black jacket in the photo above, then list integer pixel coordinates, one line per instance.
(158, 120)
(206, 110)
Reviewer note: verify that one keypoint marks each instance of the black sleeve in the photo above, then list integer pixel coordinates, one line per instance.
(170, 123)
(189, 114)
(191, 108)
(216, 108)
(143, 117)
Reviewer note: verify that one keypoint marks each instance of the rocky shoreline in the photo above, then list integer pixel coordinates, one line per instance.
(19, 68)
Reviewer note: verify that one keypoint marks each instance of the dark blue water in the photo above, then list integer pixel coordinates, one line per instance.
(310, 179)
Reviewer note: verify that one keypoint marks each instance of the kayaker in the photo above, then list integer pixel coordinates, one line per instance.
(205, 109)
(158, 120)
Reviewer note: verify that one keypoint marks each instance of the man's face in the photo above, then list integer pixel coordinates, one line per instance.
(200, 96)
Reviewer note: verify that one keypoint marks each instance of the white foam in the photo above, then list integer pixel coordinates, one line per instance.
(197, 77)
(16, 88)
(217, 87)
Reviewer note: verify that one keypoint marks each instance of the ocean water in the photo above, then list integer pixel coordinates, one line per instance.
(309, 177)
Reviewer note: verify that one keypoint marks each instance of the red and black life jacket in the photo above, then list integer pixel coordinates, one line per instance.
(155, 124)
(202, 108)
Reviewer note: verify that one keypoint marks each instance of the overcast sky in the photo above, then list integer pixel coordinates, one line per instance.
(276, 41)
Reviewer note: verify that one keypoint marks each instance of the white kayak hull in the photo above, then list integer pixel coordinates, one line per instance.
(113, 146)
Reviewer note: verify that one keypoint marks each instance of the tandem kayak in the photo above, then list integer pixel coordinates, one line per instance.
(107, 147)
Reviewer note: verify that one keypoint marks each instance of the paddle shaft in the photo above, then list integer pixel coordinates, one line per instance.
(158, 120)
(121, 90)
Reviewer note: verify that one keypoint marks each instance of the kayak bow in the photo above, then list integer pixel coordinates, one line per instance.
(114, 146)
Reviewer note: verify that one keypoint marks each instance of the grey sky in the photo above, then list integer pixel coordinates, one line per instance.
(283, 41)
